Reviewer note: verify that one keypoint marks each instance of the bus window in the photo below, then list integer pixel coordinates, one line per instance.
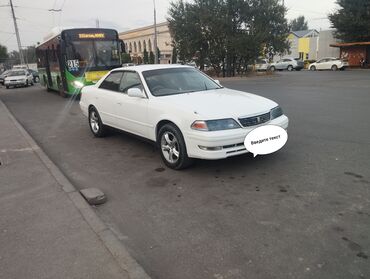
(107, 53)
(83, 51)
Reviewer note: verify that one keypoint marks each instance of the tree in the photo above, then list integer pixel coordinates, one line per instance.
(3, 53)
(146, 57)
(352, 20)
(174, 55)
(158, 55)
(298, 24)
(151, 57)
(126, 58)
(228, 34)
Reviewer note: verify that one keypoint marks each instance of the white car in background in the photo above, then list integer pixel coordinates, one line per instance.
(262, 65)
(18, 78)
(289, 64)
(328, 63)
(186, 113)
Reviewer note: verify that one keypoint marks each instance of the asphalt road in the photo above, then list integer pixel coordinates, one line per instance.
(303, 212)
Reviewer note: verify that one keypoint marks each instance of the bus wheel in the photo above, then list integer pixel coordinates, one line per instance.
(61, 89)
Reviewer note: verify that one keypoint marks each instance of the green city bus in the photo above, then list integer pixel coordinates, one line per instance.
(72, 58)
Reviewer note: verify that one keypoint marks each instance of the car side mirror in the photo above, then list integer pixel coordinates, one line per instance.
(135, 92)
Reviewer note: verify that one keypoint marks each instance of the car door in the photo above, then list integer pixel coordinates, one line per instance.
(323, 64)
(279, 65)
(107, 97)
(132, 112)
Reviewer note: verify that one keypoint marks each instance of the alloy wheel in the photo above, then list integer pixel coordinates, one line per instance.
(94, 122)
(170, 147)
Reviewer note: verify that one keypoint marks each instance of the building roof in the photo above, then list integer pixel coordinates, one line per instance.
(143, 28)
(350, 44)
(304, 33)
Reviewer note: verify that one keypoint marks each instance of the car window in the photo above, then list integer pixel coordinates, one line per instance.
(112, 81)
(130, 80)
(287, 60)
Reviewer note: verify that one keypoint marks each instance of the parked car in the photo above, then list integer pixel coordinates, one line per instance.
(289, 64)
(35, 75)
(3, 76)
(18, 78)
(329, 63)
(185, 112)
(262, 65)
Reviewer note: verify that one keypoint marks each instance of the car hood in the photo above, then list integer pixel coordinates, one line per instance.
(220, 103)
(15, 77)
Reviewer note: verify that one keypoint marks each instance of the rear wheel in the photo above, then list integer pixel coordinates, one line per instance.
(313, 68)
(172, 147)
(290, 68)
(272, 69)
(97, 127)
(334, 67)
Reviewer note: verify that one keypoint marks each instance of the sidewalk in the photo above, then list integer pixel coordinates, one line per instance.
(45, 231)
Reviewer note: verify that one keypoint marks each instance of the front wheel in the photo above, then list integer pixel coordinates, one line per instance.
(97, 127)
(334, 67)
(290, 68)
(313, 68)
(173, 148)
(272, 69)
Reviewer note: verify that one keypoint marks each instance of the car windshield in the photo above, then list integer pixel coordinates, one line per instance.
(172, 81)
(16, 73)
(94, 53)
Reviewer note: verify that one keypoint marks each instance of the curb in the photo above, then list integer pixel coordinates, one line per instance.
(108, 238)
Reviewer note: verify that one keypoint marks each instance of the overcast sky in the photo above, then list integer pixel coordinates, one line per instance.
(35, 21)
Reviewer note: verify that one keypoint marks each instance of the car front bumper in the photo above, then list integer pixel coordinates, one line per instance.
(223, 144)
(15, 83)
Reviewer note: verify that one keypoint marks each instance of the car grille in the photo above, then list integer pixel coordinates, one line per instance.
(255, 120)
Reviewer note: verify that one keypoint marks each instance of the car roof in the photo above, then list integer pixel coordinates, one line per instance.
(148, 67)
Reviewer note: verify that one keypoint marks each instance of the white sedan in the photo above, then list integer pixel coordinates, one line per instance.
(18, 78)
(329, 63)
(188, 114)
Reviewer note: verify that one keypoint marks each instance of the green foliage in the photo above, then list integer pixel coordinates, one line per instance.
(151, 57)
(352, 20)
(146, 57)
(3, 53)
(174, 55)
(228, 34)
(298, 24)
(126, 58)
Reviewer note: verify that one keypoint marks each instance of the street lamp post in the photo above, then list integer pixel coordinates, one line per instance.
(155, 36)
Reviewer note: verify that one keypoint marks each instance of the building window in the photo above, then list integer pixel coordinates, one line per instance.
(135, 47)
(144, 45)
(139, 46)
(130, 47)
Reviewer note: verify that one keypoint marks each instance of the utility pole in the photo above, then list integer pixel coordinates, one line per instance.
(155, 36)
(97, 23)
(17, 33)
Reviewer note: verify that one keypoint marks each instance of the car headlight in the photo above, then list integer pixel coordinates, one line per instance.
(276, 112)
(215, 125)
(78, 84)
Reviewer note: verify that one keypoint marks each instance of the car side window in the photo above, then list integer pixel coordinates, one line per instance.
(130, 80)
(112, 81)
(287, 60)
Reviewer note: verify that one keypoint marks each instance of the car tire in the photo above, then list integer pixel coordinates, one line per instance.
(37, 79)
(173, 148)
(290, 68)
(26, 85)
(334, 68)
(272, 69)
(97, 127)
(312, 68)
(7, 86)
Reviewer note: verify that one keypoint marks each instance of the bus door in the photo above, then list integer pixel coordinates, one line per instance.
(47, 66)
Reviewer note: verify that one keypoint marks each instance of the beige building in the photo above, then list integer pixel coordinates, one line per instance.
(137, 40)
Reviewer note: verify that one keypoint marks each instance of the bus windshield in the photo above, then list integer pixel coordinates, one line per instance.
(92, 54)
